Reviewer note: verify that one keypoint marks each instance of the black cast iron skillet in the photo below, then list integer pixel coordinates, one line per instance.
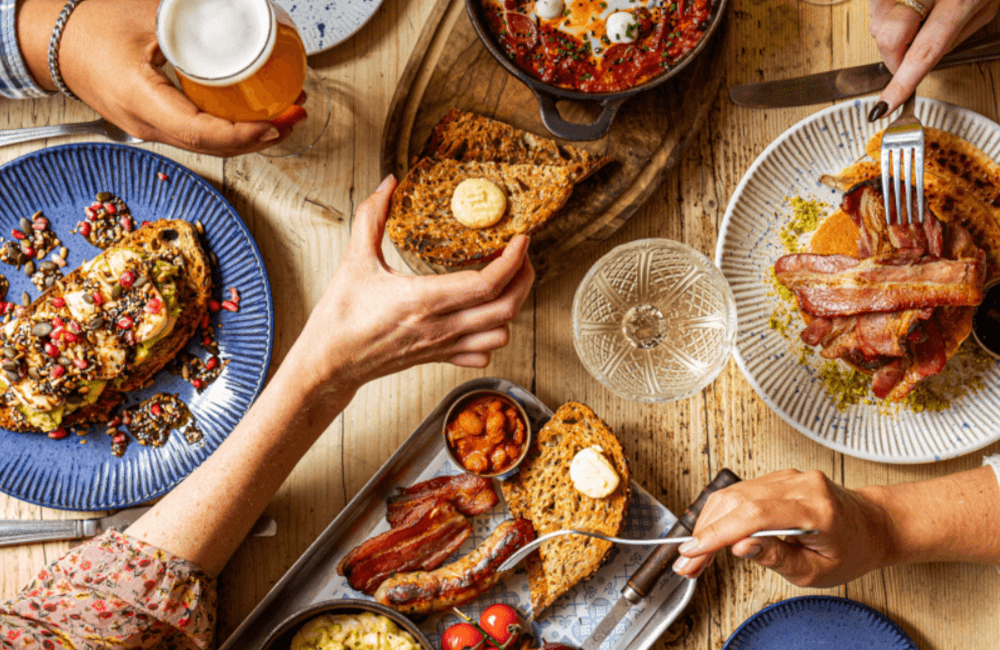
(548, 95)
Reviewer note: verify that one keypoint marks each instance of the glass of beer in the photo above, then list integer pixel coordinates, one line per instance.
(243, 60)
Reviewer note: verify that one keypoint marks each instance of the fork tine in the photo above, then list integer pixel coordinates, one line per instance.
(897, 183)
(886, 187)
(918, 162)
(907, 155)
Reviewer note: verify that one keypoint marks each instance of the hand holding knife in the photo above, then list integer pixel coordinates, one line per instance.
(849, 82)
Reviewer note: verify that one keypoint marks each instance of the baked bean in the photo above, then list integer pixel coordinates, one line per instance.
(476, 462)
(470, 423)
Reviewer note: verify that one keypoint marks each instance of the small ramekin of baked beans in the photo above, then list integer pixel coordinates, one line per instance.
(487, 433)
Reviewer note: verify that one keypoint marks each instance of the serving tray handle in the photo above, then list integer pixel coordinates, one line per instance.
(646, 576)
(560, 128)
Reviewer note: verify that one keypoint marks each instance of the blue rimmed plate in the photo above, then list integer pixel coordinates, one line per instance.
(818, 623)
(326, 23)
(79, 472)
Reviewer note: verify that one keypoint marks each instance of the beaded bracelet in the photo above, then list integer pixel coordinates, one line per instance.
(57, 32)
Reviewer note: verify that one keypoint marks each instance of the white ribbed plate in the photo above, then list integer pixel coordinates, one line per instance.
(826, 143)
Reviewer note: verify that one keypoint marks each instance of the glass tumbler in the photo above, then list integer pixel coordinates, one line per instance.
(654, 320)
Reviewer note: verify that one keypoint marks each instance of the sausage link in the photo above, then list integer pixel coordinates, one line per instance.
(423, 592)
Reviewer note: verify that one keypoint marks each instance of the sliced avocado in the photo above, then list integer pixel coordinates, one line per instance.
(46, 421)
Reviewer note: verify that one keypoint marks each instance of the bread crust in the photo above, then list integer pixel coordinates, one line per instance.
(543, 493)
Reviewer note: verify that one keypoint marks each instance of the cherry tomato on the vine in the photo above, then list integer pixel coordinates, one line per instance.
(462, 636)
(501, 622)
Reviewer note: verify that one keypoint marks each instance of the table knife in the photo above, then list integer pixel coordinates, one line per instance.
(26, 531)
(849, 82)
(641, 583)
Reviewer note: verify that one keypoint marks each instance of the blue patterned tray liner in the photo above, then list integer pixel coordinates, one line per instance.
(574, 616)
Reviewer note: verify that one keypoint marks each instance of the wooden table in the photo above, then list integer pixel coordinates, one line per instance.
(299, 212)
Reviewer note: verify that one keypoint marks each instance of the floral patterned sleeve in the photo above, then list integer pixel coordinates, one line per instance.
(113, 592)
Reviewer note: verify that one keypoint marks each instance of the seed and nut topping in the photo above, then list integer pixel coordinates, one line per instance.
(32, 240)
(107, 220)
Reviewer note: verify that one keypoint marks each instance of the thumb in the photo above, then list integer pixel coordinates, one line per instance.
(369, 221)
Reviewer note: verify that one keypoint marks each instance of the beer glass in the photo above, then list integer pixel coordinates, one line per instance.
(242, 60)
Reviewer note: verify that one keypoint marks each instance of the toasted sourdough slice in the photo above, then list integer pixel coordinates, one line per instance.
(420, 218)
(543, 493)
(468, 137)
(175, 242)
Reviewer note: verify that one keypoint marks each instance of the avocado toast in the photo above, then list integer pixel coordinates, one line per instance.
(104, 329)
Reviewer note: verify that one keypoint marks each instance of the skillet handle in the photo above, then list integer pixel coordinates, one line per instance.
(649, 572)
(560, 128)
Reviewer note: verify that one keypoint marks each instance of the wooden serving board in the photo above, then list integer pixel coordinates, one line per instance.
(450, 67)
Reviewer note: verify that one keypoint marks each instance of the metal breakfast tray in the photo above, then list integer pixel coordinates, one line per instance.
(313, 578)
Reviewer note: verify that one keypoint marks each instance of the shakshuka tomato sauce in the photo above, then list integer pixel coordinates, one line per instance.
(581, 49)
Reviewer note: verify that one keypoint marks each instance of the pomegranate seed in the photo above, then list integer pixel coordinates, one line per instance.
(58, 302)
(145, 223)
(206, 322)
(55, 334)
(125, 323)
(110, 208)
(84, 227)
(127, 418)
(155, 410)
(229, 305)
(58, 322)
(154, 306)
(115, 421)
(234, 295)
(118, 439)
(17, 234)
(212, 363)
(197, 383)
(214, 306)
(98, 298)
(127, 279)
(207, 340)
(51, 349)
(81, 363)
(58, 434)
(41, 223)
(74, 327)
(57, 371)
(70, 337)
(90, 214)
(126, 223)
(28, 251)
(96, 204)
(130, 337)
(161, 176)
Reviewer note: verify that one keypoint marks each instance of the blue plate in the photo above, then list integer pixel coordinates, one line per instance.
(80, 473)
(819, 623)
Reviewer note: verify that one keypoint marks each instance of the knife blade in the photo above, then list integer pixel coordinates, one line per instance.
(641, 583)
(26, 531)
(849, 82)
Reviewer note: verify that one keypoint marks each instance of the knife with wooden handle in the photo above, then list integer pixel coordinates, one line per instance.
(659, 562)
(27, 531)
(849, 82)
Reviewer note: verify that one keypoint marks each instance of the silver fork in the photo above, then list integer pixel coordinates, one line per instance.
(526, 550)
(97, 127)
(903, 145)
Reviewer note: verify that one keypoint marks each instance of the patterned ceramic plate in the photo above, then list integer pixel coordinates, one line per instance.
(80, 473)
(826, 143)
(816, 622)
(325, 23)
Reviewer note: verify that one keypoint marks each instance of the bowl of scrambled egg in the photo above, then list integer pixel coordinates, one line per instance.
(347, 625)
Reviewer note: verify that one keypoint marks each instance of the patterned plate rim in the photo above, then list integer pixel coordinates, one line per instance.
(724, 233)
(837, 600)
(173, 167)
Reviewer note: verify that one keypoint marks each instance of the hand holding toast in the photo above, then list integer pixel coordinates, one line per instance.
(373, 321)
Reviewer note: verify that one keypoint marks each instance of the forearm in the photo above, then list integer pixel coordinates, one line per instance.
(950, 519)
(35, 20)
(206, 517)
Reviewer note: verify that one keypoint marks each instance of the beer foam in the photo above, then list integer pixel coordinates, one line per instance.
(215, 39)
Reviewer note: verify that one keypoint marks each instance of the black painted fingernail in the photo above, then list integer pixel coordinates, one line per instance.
(878, 110)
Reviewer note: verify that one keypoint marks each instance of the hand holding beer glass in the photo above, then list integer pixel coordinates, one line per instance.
(243, 60)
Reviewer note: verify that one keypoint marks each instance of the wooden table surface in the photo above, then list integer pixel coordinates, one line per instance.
(299, 211)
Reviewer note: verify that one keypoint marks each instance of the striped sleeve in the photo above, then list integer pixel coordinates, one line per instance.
(15, 80)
